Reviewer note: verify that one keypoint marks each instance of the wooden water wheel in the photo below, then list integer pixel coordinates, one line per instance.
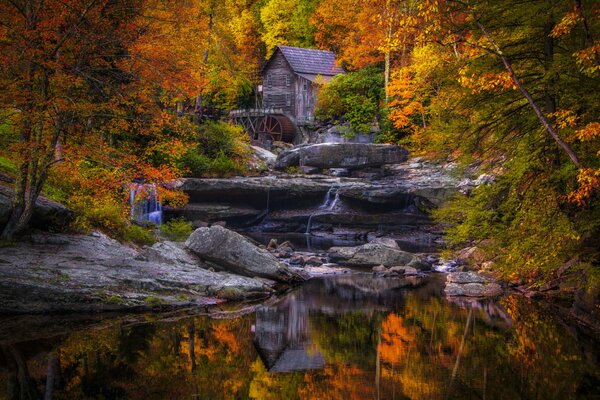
(270, 128)
(276, 128)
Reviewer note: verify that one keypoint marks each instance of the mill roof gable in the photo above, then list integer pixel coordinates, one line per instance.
(308, 61)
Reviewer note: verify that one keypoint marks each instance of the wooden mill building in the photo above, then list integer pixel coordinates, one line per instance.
(291, 79)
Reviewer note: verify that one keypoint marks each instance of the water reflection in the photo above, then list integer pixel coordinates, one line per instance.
(338, 338)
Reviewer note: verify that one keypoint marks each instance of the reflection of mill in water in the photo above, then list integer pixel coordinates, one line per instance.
(282, 337)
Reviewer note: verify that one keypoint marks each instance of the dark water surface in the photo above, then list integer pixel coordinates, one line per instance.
(348, 337)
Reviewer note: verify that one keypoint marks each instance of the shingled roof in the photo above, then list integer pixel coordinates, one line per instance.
(310, 61)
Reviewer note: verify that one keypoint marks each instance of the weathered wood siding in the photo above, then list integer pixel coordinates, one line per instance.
(306, 96)
(279, 85)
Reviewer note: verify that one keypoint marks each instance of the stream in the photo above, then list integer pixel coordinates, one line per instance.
(352, 336)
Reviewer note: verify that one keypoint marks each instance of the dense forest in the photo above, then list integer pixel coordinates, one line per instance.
(98, 93)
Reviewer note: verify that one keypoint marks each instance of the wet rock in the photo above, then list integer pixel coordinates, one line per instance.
(237, 254)
(310, 170)
(372, 254)
(405, 270)
(473, 289)
(381, 269)
(339, 171)
(47, 215)
(471, 284)
(466, 277)
(211, 212)
(325, 269)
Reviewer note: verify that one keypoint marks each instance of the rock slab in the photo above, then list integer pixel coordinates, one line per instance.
(237, 254)
(378, 252)
(81, 273)
(342, 155)
(47, 214)
(471, 284)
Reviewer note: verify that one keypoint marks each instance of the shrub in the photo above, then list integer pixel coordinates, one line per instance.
(354, 98)
(102, 212)
(139, 235)
(177, 229)
(195, 163)
(222, 149)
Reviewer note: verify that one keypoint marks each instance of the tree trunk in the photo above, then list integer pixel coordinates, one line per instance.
(387, 76)
(538, 112)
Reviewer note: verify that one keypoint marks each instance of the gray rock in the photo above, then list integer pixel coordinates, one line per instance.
(169, 252)
(342, 155)
(379, 269)
(264, 155)
(48, 214)
(57, 273)
(401, 270)
(473, 289)
(237, 254)
(210, 212)
(339, 171)
(470, 284)
(372, 254)
(310, 170)
(352, 155)
(466, 277)
(288, 158)
(389, 242)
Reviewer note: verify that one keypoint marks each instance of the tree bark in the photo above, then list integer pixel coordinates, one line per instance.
(538, 112)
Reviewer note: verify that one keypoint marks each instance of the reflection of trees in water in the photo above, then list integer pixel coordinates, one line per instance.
(416, 346)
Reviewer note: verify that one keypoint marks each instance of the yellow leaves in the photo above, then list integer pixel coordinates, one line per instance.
(564, 118)
(486, 81)
(567, 23)
(588, 180)
(587, 59)
(589, 132)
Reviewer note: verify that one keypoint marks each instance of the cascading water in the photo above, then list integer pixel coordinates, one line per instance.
(332, 198)
(145, 204)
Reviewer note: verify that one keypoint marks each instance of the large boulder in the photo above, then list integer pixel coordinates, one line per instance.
(47, 214)
(288, 158)
(264, 155)
(377, 252)
(237, 254)
(342, 155)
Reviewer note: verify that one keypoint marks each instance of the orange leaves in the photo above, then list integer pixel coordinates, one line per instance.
(564, 118)
(566, 24)
(486, 81)
(589, 132)
(396, 339)
(587, 59)
(588, 180)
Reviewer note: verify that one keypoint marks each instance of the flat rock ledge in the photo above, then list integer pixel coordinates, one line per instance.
(80, 273)
(379, 252)
(471, 284)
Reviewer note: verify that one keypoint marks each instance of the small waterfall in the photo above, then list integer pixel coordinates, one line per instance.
(332, 198)
(145, 204)
(330, 203)
(308, 224)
